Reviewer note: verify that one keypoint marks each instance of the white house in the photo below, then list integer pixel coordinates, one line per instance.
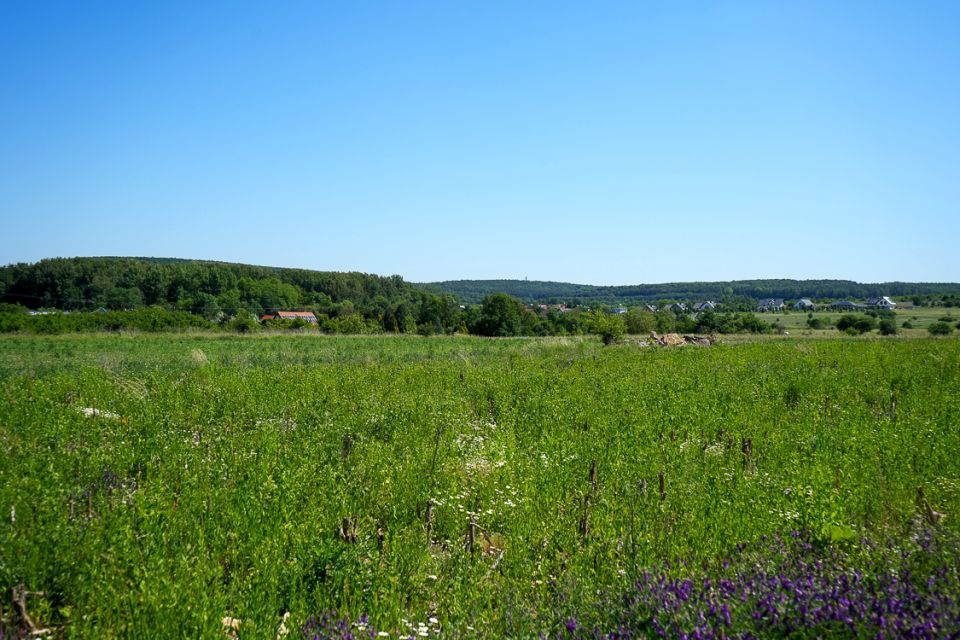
(804, 304)
(882, 303)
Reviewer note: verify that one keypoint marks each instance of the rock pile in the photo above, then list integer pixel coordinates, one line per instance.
(676, 340)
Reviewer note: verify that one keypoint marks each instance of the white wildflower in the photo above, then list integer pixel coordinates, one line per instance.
(91, 412)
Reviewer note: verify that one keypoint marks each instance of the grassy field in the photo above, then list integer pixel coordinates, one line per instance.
(203, 486)
(919, 317)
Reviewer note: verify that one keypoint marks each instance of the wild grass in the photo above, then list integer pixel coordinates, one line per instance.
(500, 487)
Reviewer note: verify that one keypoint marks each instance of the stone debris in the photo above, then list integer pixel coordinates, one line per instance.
(676, 340)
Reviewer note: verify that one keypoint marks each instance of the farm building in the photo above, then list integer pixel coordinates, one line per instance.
(307, 316)
(804, 304)
(882, 303)
(846, 305)
(770, 304)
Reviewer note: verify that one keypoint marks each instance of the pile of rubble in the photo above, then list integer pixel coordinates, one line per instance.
(676, 340)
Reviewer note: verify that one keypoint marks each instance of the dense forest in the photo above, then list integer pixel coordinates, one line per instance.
(215, 290)
(473, 291)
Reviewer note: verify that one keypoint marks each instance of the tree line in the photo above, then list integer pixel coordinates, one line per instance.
(167, 294)
(221, 292)
(473, 291)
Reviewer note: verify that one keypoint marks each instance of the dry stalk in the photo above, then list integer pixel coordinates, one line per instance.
(20, 602)
(584, 528)
(932, 517)
(349, 529)
(428, 518)
(746, 447)
(471, 536)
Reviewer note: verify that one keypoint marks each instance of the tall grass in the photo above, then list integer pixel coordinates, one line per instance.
(501, 487)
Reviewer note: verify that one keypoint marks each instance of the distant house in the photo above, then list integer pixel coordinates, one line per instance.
(543, 310)
(882, 303)
(652, 308)
(770, 304)
(306, 316)
(700, 307)
(676, 307)
(618, 311)
(845, 305)
(804, 304)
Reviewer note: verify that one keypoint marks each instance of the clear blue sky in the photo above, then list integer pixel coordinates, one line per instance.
(590, 142)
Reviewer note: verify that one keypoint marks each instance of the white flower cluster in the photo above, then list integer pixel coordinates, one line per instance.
(418, 629)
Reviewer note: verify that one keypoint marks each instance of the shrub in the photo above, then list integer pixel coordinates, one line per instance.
(815, 323)
(856, 324)
(609, 327)
(940, 329)
(243, 322)
(888, 327)
(907, 324)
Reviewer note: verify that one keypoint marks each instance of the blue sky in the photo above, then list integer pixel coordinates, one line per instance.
(600, 143)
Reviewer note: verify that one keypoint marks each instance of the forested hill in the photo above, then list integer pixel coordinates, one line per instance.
(200, 286)
(472, 291)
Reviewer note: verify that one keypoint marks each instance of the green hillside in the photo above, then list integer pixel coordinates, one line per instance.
(217, 289)
(472, 291)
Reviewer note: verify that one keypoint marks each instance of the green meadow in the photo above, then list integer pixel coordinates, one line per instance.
(918, 319)
(154, 485)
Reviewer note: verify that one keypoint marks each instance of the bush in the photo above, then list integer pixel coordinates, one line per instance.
(907, 324)
(639, 322)
(888, 327)
(856, 324)
(940, 329)
(243, 322)
(815, 323)
(609, 327)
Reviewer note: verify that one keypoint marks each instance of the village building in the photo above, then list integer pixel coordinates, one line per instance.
(770, 304)
(845, 305)
(306, 316)
(882, 303)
